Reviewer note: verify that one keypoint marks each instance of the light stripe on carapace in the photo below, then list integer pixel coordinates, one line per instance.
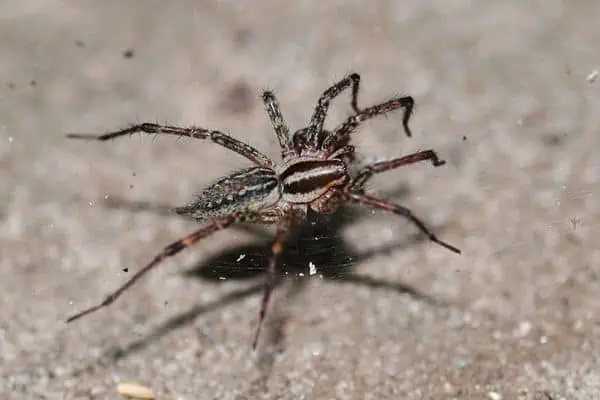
(307, 180)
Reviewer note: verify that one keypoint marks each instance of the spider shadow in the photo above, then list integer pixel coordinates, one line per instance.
(315, 248)
(318, 243)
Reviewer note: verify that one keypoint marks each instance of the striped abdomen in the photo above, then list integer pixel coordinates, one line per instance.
(307, 180)
(250, 189)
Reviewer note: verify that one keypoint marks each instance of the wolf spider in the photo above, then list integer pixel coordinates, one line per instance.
(314, 173)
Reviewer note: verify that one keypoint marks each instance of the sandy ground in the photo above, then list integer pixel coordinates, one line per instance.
(504, 95)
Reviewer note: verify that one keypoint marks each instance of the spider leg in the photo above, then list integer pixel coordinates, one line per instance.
(281, 129)
(365, 173)
(271, 274)
(350, 125)
(398, 210)
(318, 118)
(217, 137)
(168, 251)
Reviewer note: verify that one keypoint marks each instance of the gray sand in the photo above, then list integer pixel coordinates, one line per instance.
(516, 316)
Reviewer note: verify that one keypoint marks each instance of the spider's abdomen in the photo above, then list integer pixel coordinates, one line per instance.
(306, 180)
(250, 189)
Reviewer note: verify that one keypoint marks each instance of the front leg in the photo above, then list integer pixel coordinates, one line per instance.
(320, 113)
(281, 130)
(343, 131)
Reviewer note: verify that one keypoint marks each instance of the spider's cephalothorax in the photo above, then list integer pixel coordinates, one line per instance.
(314, 173)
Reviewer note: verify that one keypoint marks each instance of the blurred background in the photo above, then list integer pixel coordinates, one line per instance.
(505, 92)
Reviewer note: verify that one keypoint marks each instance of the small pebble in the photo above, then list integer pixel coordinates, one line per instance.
(129, 53)
(135, 390)
(494, 396)
(523, 329)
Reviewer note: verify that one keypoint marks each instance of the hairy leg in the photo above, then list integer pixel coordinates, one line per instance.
(398, 210)
(283, 227)
(168, 251)
(279, 125)
(341, 133)
(368, 171)
(217, 137)
(320, 113)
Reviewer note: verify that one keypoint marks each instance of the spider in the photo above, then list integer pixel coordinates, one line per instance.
(313, 174)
